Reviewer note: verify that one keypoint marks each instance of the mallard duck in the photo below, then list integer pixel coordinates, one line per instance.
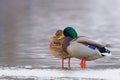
(56, 49)
(80, 47)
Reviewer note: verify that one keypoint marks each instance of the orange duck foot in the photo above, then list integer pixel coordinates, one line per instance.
(83, 63)
(62, 63)
(68, 64)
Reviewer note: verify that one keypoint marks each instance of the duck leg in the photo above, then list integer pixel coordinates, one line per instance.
(62, 63)
(83, 63)
(69, 63)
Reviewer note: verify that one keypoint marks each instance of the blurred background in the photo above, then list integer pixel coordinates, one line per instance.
(26, 27)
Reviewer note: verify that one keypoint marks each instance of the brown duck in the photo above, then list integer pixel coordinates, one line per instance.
(56, 49)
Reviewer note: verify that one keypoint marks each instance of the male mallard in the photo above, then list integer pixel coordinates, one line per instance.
(78, 47)
(56, 47)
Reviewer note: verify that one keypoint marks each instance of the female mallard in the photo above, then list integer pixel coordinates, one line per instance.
(82, 47)
(56, 47)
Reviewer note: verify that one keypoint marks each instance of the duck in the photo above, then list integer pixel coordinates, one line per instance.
(81, 47)
(56, 49)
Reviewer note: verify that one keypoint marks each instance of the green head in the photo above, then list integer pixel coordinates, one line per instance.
(69, 31)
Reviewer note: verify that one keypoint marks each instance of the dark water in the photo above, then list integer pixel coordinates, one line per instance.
(26, 27)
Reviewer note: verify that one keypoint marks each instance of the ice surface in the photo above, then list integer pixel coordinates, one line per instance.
(109, 74)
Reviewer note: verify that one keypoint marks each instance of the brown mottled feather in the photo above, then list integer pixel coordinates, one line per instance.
(56, 46)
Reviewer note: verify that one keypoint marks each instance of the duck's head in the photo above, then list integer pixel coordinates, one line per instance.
(70, 32)
(59, 35)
